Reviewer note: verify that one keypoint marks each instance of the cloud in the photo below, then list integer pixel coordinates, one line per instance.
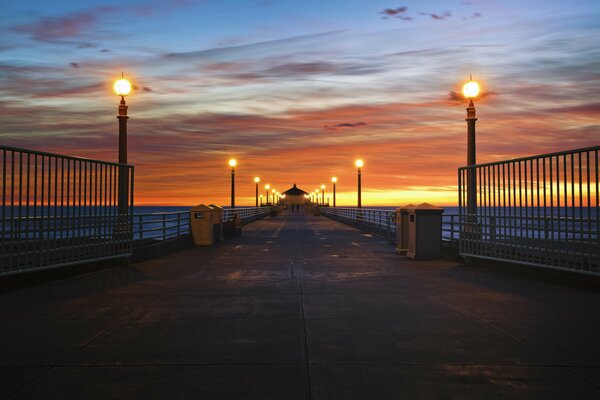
(253, 50)
(301, 68)
(74, 64)
(344, 125)
(439, 17)
(51, 29)
(399, 13)
(392, 12)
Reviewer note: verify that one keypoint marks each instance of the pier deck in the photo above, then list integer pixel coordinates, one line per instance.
(299, 307)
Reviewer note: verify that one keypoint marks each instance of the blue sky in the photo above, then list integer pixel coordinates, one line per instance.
(297, 90)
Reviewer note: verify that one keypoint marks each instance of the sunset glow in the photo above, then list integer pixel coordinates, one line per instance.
(298, 92)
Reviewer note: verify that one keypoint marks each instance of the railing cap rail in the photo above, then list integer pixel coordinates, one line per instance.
(547, 155)
(75, 158)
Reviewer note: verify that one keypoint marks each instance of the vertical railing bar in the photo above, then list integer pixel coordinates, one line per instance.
(54, 206)
(501, 221)
(131, 209)
(12, 228)
(461, 237)
(70, 233)
(520, 230)
(86, 223)
(96, 235)
(566, 206)
(579, 248)
(525, 220)
(74, 210)
(597, 215)
(492, 221)
(544, 184)
(79, 207)
(488, 178)
(29, 245)
(509, 183)
(559, 211)
(540, 252)
(20, 239)
(111, 219)
(573, 213)
(589, 215)
(105, 224)
(45, 209)
(5, 241)
(551, 203)
(61, 248)
(499, 213)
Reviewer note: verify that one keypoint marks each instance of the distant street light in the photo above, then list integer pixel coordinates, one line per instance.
(232, 164)
(267, 187)
(256, 180)
(323, 194)
(334, 181)
(261, 200)
(470, 91)
(122, 88)
(273, 195)
(359, 164)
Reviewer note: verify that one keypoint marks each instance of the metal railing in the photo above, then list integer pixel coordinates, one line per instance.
(157, 227)
(247, 214)
(382, 221)
(150, 228)
(61, 210)
(541, 210)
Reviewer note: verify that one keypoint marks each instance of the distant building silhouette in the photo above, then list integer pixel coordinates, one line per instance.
(294, 195)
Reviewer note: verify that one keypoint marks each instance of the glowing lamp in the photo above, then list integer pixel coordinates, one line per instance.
(359, 163)
(122, 87)
(267, 186)
(256, 180)
(232, 162)
(471, 89)
(334, 179)
(322, 187)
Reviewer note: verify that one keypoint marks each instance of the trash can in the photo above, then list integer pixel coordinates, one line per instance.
(424, 232)
(217, 222)
(201, 225)
(402, 228)
(233, 226)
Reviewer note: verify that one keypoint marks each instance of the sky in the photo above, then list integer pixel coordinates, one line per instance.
(297, 90)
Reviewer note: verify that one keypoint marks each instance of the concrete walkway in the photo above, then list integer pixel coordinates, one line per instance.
(299, 308)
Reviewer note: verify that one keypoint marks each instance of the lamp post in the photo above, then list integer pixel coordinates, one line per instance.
(323, 194)
(273, 195)
(261, 200)
(334, 181)
(359, 164)
(122, 87)
(317, 196)
(267, 187)
(256, 180)
(232, 164)
(470, 91)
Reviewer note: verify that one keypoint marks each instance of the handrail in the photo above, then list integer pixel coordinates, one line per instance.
(382, 221)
